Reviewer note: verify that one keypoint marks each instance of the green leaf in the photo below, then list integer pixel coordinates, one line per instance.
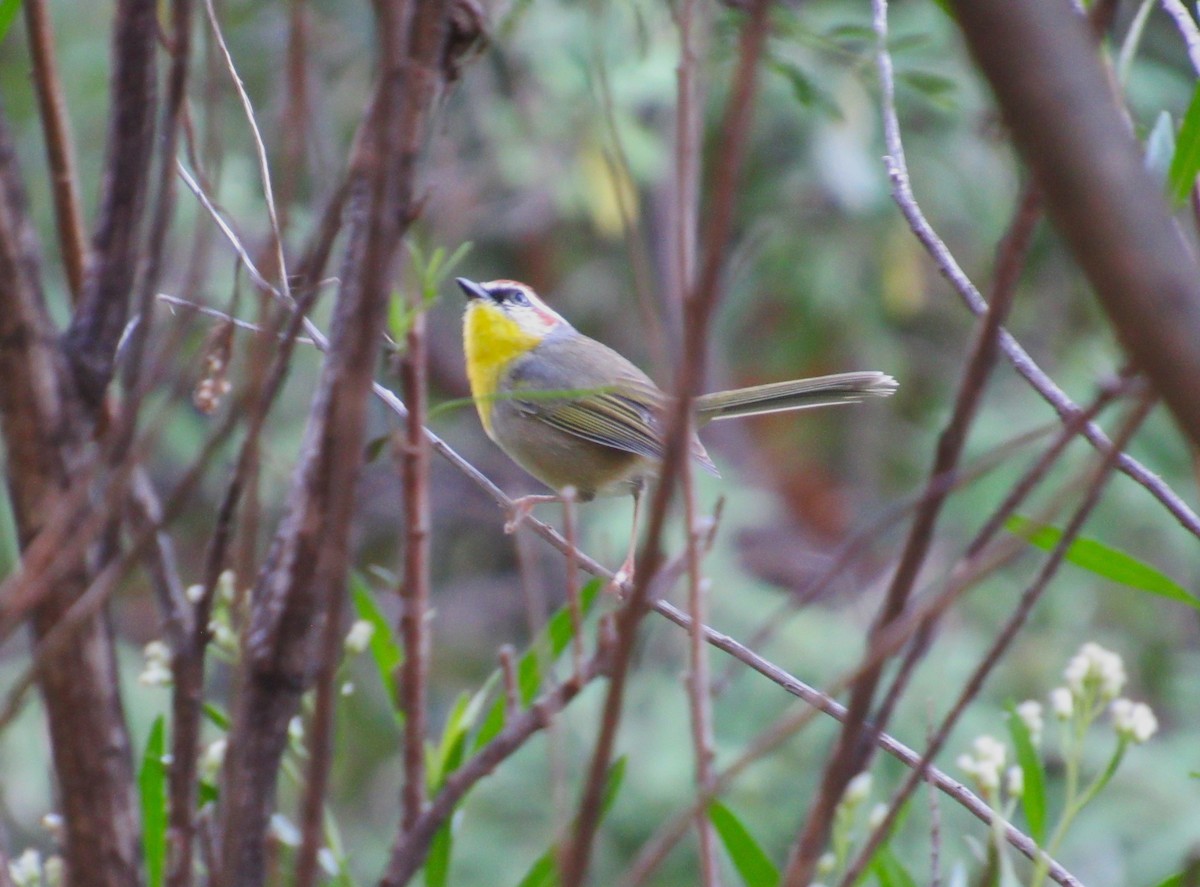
(937, 88)
(807, 91)
(753, 865)
(437, 866)
(1186, 162)
(889, 870)
(8, 13)
(612, 785)
(1033, 801)
(553, 638)
(543, 872)
(1103, 560)
(374, 448)
(385, 650)
(218, 718)
(152, 787)
(450, 749)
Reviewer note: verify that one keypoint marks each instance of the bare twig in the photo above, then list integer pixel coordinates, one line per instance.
(103, 310)
(698, 312)
(414, 587)
(851, 751)
(60, 152)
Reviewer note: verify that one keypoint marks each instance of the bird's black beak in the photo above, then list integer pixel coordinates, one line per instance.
(471, 288)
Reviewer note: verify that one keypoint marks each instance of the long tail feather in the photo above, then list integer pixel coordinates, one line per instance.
(799, 394)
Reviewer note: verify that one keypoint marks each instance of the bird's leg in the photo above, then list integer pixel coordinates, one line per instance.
(522, 507)
(625, 574)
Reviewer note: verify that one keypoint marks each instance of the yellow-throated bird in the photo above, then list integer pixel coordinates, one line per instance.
(574, 413)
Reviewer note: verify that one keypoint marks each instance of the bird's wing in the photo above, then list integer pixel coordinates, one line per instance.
(612, 419)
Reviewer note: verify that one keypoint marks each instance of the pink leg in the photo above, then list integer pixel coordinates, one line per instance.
(521, 508)
(625, 574)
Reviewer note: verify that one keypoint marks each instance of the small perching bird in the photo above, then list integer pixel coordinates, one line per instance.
(577, 415)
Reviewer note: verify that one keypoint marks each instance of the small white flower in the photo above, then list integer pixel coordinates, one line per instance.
(1094, 667)
(328, 862)
(1014, 781)
(826, 864)
(1062, 703)
(986, 762)
(213, 759)
(222, 635)
(53, 823)
(226, 589)
(296, 729)
(857, 790)
(348, 688)
(26, 870)
(359, 636)
(52, 871)
(877, 815)
(157, 670)
(284, 831)
(1133, 721)
(194, 593)
(1030, 713)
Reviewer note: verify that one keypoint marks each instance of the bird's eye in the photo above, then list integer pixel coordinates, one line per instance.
(517, 297)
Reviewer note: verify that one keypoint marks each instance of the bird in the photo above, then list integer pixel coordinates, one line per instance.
(583, 419)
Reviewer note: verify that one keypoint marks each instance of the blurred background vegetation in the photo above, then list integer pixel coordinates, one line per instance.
(552, 158)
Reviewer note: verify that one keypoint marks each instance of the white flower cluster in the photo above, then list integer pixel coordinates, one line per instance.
(986, 763)
(1133, 721)
(1095, 669)
(157, 670)
(28, 870)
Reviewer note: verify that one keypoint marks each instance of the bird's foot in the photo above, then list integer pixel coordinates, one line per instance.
(622, 580)
(521, 508)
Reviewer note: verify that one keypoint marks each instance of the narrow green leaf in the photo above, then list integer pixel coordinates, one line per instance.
(1186, 162)
(889, 870)
(206, 793)
(612, 784)
(8, 13)
(437, 866)
(805, 88)
(385, 651)
(1033, 801)
(1104, 561)
(554, 637)
(753, 865)
(543, 872)
(152, 787)
(218, 718)
(935, 87)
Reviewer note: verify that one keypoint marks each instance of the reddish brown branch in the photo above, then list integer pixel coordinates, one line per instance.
(60, 153)
(103, 309)
(697, 315)
(1041, 59)
(414, 586)
(305, 571)
(46, 444)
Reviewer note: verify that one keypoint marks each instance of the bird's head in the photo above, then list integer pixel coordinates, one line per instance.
(510, 310)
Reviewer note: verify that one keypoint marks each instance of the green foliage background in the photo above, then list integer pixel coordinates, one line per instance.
(568, 113)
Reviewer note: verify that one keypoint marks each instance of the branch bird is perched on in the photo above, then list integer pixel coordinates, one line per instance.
(576, 414)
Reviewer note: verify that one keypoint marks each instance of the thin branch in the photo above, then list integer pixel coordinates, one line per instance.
(697, 315)
(103, 310)
(414, 587)
(60, 152)
(851, 752)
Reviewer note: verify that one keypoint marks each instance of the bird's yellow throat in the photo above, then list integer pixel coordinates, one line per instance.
(491, 340)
